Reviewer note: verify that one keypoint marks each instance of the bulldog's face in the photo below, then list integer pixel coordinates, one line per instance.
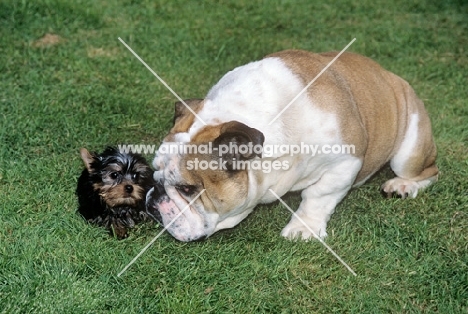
(200, 190)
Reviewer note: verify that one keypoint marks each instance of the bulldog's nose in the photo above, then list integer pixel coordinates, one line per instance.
(129, 188)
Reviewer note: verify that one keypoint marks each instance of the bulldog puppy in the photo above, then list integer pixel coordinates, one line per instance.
(354, 104)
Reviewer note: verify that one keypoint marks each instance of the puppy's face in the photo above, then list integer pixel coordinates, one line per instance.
(119, 179)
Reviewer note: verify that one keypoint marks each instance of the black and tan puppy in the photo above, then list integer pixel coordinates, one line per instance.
(112, 189)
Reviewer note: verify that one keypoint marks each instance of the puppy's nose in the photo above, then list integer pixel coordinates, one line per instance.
(129, 188)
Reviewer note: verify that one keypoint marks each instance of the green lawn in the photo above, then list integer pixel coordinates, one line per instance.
(82, 87)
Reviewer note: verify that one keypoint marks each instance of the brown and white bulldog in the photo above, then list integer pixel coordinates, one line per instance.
(354, 104)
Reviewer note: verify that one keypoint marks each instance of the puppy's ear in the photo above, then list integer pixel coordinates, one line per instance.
(242, 141)
(87, 158)
(181, 111)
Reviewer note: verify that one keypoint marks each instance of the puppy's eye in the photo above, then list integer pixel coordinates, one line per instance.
(114, 175)
(186, 189)
(135, 176)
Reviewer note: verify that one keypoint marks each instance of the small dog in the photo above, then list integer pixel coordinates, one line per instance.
(112, 190)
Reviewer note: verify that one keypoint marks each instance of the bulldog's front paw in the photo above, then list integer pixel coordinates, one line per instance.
(304, 230)
(401, 187)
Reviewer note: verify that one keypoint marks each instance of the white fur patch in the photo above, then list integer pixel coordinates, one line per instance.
(405, 187)
(319, 200)
(255, 93)
(182, 137)
(407, 146)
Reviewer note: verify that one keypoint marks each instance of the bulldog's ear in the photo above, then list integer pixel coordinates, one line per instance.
(241, 142)
(180, 110)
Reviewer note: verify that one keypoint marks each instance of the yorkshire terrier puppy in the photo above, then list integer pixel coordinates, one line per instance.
(112, 190)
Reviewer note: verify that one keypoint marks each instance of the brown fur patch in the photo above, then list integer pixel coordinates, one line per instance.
(372, 104)
(207, 134)
(116, 195)
(87, 158)
(223, 188)
(183, 117)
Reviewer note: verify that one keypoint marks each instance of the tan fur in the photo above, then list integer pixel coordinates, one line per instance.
(114, 195)
(207, 134)
(183, 117)
(356, 88)
(86, 157)
(223, 189)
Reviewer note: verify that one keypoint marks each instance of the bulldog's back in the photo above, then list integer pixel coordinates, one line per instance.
(365, 98)
(353, 102)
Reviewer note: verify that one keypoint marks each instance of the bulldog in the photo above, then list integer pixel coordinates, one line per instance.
(355, 104)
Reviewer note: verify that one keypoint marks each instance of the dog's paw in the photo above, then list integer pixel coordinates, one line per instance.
(118, 228)
(304, 230)
(402, 187)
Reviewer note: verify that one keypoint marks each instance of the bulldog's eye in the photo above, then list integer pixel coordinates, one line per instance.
(186, 189)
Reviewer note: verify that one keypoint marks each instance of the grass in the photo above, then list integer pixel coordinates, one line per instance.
(83, 88)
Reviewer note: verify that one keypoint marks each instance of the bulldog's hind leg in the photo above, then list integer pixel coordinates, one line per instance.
(414, 162)
(320, 199)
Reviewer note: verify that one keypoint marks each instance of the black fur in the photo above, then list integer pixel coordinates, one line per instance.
(102, 176)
